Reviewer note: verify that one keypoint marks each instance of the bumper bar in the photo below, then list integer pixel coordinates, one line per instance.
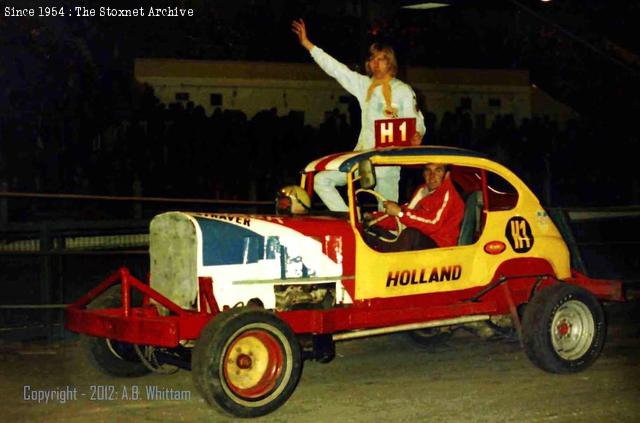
(140, 325)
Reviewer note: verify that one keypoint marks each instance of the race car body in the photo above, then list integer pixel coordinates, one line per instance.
(243, 299)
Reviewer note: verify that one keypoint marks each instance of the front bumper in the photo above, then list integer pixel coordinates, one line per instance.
(140, 325)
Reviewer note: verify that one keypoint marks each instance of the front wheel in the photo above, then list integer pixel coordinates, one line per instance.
(563, 329)
(248, 363)
(112, 357)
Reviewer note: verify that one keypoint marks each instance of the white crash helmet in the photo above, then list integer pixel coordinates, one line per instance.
(292, 199)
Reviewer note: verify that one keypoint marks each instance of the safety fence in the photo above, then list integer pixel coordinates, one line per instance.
(29, 206)
(48, 263)
(45, 265)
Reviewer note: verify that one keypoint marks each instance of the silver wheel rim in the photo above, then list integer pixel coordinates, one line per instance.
(572, 330)
(113, 350)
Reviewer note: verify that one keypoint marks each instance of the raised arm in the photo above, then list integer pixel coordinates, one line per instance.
(351, 81)
(300, 29)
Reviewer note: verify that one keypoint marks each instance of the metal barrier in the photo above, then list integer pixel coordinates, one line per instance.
(45, 265)
(49, 262)
(30, 206)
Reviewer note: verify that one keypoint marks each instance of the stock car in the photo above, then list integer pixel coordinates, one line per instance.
(243, 300)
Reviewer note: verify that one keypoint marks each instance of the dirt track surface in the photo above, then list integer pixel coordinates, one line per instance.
(386, 378)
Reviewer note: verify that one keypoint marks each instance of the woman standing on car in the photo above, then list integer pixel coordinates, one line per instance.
(381, 96)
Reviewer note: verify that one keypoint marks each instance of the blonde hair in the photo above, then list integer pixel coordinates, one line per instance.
(389, 54)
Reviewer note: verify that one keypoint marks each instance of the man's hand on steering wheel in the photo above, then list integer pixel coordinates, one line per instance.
(391, 208)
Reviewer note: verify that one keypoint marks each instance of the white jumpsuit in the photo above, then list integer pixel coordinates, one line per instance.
(403, 99)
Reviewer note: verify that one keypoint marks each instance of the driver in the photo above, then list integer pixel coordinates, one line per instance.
(431, 219)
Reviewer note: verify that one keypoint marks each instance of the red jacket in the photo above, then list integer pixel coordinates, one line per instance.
(437, 215)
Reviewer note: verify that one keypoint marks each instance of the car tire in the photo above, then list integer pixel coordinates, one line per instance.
(563, 329)
(218, 321)
(111, 357)
(246, 363)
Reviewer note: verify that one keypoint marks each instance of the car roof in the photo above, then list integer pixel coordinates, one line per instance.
(344, 162)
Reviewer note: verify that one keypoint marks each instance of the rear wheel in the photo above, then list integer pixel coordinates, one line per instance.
(247, 362)
(563, 329)
(109, 356)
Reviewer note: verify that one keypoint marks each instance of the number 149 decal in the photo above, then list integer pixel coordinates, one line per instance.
(518, 232)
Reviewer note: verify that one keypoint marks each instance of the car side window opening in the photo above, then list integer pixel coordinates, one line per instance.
(469, 183)
(502, 195)
(498, 195)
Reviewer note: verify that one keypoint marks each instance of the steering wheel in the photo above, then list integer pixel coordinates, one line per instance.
(382, 234)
